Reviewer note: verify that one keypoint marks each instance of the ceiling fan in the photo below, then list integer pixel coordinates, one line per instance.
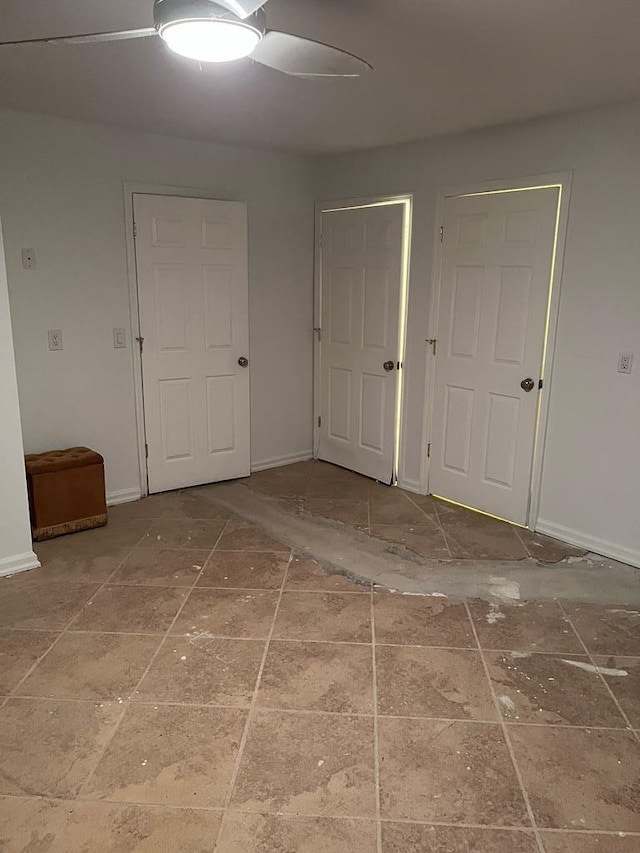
(224, 30)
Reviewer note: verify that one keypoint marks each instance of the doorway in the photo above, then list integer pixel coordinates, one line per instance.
(193, 336)
(361, 305)
(495, 309)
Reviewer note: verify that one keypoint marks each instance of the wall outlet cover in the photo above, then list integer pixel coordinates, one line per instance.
(55, 339)
(625, 362)
(28, 259)
(119, 339)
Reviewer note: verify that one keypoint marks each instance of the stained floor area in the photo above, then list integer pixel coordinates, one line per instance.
(180, 681)
(425, 525)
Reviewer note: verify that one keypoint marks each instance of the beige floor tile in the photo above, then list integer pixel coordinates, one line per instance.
(423, 538)
(116, 828)
(227, 613)
(443, 683)
(335, 617)
(134, 609)
(29, 602)
(448, 772)
(193, 503)
(607, 630)
(205, 671)
(417, 838)
(243, 833)
(536, 688)
(117, 532)
(30, 825)
(425, 502)
(310, 575)
(626, 688)
(170, 755)
(318, 677)
(391, 506)
(19, 650)
(474, 536)
(91, 666)
(242, 536)
(161, 567)
(50, 747)
(575, 842)
(151, 507)
(421, 621)
(352, 512)
(315, 764)
(184, 533)
(580, 778)
(64, 561)
(337, 488)
(547, 550)
(527, 627)
(245, 570)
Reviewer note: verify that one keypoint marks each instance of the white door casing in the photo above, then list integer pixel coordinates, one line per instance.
(361, 280)
(494, 297)
(192, 277)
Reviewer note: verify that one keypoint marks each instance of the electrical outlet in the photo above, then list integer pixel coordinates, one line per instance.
(119, 339)
(28, 259)
(55, 339)
(625, 362)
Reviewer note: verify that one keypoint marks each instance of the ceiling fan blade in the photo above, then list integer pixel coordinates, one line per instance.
(89, 38)
(242, 8)
(302, 57)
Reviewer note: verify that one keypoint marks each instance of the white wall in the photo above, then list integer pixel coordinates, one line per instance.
(61, 193)
(591, 477)
(16, 553)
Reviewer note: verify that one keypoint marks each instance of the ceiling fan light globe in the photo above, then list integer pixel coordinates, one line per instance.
(211, 40)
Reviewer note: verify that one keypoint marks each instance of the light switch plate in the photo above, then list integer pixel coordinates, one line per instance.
(55, 339)
(119, 339)
(625, 362)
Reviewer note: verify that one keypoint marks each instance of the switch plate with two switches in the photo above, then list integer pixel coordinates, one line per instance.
(625, 362)
(55, 339)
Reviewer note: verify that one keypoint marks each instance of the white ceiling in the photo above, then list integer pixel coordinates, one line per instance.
(440, 66)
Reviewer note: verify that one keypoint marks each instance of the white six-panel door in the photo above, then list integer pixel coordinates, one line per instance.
(361, 282)
(494, 295)
(191, 260)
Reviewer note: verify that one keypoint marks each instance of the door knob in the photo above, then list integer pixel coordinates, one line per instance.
(527, 385)
(388, 366)
(243, 362)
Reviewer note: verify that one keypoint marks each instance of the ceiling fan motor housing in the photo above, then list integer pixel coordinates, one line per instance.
(166, 12)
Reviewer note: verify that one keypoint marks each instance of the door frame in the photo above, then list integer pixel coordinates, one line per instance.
(562, 180)
(129, 190)
(321, 207)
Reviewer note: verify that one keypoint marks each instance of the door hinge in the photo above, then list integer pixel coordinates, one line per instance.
(319, 421)
(140, 343)
(135, 230)
(146, 451)
(442, 233)
(318, 332)
(321, 241)
(432, 343)
(428, 451)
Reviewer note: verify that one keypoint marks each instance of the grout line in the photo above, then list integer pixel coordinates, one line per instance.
(441, 527)
(252, 708)
(126, 704)
(66, 627)
(507, 738)
(376, 743)
(601, 676)
(337, 817)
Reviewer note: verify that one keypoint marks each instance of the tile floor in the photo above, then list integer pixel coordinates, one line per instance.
(430, 527)
(178, 681)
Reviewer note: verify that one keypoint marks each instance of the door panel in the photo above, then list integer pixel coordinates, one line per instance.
(191, 259)
(494, 294)
(361, 285)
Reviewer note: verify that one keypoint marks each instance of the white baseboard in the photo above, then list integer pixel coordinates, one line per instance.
(19, 563)
(589, 543)
(124, 496)
(282, 460)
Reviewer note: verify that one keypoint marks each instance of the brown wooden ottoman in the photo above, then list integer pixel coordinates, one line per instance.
(66, 491)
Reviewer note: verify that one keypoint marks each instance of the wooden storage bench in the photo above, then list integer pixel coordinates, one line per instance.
(66, 491)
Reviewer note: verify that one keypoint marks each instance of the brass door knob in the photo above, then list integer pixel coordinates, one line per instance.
(243, 362)
(527, 385)
(388, 366)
